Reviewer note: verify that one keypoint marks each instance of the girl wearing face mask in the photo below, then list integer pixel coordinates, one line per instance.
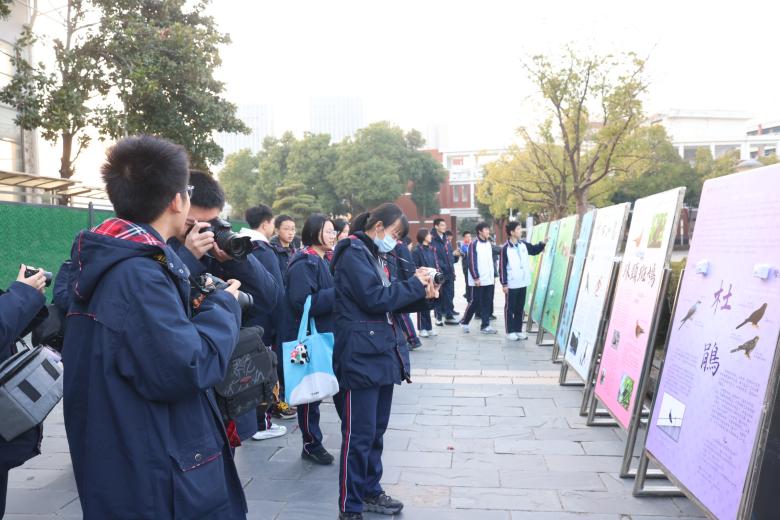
(370, 354)
(309, 275)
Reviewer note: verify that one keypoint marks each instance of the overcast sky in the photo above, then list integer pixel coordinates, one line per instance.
(458, 64)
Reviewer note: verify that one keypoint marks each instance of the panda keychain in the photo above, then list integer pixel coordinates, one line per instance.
(299, 355)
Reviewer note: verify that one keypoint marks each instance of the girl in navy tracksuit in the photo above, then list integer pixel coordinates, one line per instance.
(308, 274)
(19, 306)
(425, 256)
(370, 354)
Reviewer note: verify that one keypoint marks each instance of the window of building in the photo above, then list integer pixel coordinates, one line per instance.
(456, 194)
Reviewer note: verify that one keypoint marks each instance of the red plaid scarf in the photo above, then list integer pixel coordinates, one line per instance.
(126, 230)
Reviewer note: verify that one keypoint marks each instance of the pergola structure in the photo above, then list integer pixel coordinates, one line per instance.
(51, 188)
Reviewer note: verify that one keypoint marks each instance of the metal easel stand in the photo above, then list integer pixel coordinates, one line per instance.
(642, 415)
(595, 360)
(564, 373)
(556, 351)
(643, 471)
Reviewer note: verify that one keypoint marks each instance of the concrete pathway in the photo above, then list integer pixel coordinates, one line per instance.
(484, 433)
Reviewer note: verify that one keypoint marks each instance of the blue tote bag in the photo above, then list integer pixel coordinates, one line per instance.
(308, 364)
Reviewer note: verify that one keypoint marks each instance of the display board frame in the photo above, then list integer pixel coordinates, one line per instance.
(648, 228)
(566, 316)
(560, 270)
(536, 262)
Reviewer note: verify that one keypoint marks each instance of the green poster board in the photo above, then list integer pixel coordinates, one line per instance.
(544, 272)
(538, 234)
(556, 286)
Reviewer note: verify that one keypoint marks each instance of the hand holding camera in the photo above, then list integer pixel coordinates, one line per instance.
(198, 241)
(38, 279)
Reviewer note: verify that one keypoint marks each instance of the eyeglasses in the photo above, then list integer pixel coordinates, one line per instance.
(189, 189)
(330, 233)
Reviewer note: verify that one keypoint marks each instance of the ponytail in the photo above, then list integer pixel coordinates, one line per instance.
(387, 213)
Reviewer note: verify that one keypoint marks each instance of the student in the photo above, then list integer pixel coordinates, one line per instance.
(370, 354)
(425, 256)
(19, 306)
(145, 434)
(284, 240)
(515, 275)
(261, 226)
(481, 280)
(402, 267)
(341, 226)
(309, 275)
(201, 254)
(464, 252)
(445, 310)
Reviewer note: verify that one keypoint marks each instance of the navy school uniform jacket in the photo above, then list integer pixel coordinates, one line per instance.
(425, 256)
(255, 280)
(533, 250)
(443, 249)
(18, 307)
(283, 254)
(370, 349)
(269, 317)
(146, 438)
(308, 274)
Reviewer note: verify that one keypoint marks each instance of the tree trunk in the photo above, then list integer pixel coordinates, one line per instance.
(66, 163)
(581, 196)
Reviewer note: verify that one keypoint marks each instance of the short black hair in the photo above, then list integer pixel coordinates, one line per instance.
(481, 226)
(256, 215)
(339, 224)
(511, 227)
(312, 229)
(404, 228)
(208, 193)
(437, 221)
(465, 233)
(281, 219)
(143, 174)
(448, 233)
(421, 234)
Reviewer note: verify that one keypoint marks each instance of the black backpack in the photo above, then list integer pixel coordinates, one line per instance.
(251, 376)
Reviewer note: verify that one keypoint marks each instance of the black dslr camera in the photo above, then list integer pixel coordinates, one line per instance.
(231, 243)
(31, 272)
(201, 288)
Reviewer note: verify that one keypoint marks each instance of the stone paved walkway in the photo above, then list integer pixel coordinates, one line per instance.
(485, 432)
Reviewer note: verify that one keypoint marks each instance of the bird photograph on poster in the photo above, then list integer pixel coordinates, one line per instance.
(638, 330)
(624, 393)
(656, 238)
(615, 339)
(747, 347)
(670, 418)
(689, 314)
(754, 317)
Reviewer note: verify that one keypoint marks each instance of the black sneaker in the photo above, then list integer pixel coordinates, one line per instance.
(439, 323)
(350, 516)
(455, 313)
(283, 411)
(451, 321)
(492, 317)
(318, 456)
(382, 504)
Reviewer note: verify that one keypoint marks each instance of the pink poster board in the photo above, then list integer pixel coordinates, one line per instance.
(636, 296)
(708, 408)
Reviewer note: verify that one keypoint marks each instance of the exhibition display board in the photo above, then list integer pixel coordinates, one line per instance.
(538, 234)
(634, 308)
(580, 254)
(556, 283)
(591, 298)
(543, 275)
(713, 391)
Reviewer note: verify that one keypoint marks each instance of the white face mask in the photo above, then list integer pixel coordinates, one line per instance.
(385, 244)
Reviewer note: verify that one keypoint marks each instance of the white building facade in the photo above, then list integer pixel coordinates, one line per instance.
(466, 169)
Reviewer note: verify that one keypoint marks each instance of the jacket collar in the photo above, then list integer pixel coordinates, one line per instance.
(253, 234)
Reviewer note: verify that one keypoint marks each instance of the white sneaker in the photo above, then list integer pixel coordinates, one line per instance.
(423, 333)
(433, 332)
(274, 431)
(522, 335)
(465, 328)
(512, 336)
(488, 330)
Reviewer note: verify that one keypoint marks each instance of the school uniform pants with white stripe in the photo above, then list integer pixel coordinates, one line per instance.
(513, 310)
(364, 413)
